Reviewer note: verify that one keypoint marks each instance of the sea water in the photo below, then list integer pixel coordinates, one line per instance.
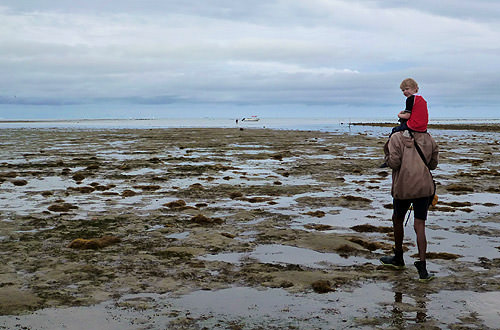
(322, 124)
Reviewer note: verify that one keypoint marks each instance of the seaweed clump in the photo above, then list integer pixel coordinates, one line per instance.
(439, 255)
(322, 286)
(128, 193)
(317, 226)
(317, 214)
(175, 204)
(19, 182)
(356, 198)
(93, 244)
(459, 188)
(63, 207)
(201, 219)
(367, 228)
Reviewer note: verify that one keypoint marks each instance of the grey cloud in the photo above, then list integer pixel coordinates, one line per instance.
(261, 52)
(481, 10)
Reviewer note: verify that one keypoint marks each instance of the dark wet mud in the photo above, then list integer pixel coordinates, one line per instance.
(237, 229)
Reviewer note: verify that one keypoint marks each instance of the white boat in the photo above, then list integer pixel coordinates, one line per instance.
(253, 118)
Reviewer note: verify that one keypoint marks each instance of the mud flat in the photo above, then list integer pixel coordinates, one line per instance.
(237, 229)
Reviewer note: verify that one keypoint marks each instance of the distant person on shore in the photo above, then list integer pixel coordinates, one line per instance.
(415, 116)
(411, 155)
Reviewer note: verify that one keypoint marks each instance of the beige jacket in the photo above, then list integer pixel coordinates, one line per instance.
(410, 176)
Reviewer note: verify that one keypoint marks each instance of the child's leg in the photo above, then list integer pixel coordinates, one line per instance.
(402, 127)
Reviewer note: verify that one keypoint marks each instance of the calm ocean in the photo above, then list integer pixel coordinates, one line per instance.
(340, 125)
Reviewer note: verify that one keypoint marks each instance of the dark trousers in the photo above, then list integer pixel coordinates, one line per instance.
(402, 127)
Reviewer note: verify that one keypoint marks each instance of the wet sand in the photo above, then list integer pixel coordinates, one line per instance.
(237, 229)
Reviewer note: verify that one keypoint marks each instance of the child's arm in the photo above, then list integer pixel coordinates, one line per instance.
(404, 115)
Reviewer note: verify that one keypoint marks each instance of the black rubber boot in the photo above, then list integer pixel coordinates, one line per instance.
(423, 275)
(395, 261)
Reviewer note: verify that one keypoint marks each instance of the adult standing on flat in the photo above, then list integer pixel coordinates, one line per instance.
(412, 183)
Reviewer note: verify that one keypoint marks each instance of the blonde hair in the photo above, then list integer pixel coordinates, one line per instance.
(409, 82)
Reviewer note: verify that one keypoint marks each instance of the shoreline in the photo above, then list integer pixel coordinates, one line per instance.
(485, 127)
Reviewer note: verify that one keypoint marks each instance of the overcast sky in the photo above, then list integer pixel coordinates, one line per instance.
(226, 58)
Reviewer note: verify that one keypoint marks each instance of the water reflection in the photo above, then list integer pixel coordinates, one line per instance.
(405, 313)
(398, 320)
(421, 312)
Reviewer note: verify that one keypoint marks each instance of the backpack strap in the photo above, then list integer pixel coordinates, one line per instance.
(419, 150)
(426, 164)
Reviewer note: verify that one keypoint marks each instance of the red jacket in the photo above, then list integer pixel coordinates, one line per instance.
(419, 115)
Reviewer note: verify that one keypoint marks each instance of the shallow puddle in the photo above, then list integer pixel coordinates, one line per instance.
(284, 254)
(448, 306)
(366, 307)
(182, 235)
